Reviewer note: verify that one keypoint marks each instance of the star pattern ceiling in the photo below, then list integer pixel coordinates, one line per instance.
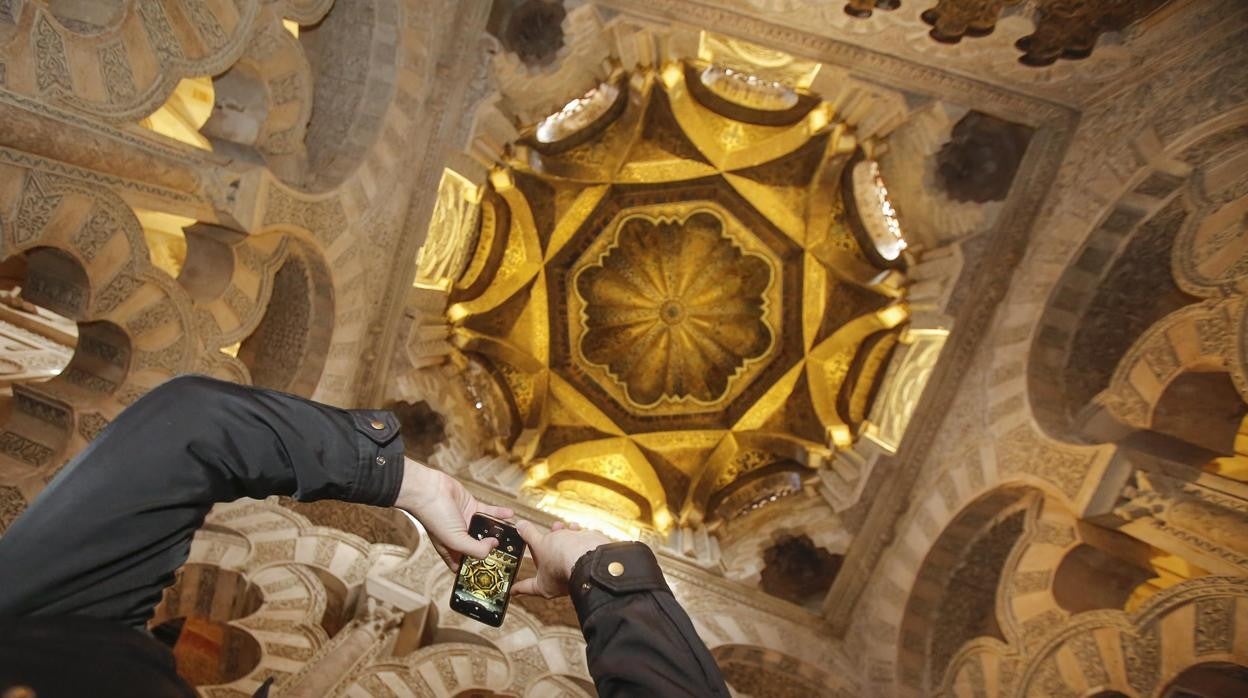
(669, 292)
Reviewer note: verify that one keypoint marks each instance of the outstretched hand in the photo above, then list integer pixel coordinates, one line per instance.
(555, 554)
(444, 508)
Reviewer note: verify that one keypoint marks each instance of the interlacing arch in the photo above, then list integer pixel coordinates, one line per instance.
(1175, 218)
(266, 571)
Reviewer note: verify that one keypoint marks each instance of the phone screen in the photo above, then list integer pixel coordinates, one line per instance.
(483, 587)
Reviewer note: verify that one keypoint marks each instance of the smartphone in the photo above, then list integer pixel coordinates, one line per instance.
(483, 587)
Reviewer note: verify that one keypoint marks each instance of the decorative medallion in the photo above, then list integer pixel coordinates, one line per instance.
(674, 309)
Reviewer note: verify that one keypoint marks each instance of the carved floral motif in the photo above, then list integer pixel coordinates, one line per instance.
(675, 308)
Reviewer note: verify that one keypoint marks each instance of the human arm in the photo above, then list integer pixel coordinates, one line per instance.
(106, 536)
(638, 639)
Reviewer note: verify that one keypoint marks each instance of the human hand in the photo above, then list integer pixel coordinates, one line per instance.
(554, 554)
(444, 508)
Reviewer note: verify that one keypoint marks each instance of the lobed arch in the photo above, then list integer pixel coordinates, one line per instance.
(202, 605)
(1171, 190)
(322, 224)
(87, 256)
(480, 670)
(263, 103)
(1194, 339)
(983, 667)
(744, 542)
(440, 387)
(966, 491)
(135, 327)
(279, 611)
(358, 148)
(289, 345)
(1143, 653)
(268, 573)
(970, 552)
(1062, 632)
(1062, 568)
(1099, 650)
(119, 61)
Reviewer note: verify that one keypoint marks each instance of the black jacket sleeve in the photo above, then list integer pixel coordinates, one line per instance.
(639, 641)
(106, 536)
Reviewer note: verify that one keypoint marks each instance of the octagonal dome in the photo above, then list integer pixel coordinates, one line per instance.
(674, 306)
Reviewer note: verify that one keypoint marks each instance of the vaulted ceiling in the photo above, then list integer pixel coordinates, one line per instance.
(674, 291)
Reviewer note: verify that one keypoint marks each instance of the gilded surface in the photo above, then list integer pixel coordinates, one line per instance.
(676, 307)
(894, 408)
(673, 309)
(452, 230)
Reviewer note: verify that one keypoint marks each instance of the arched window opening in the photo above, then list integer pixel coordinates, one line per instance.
(748, 90)
(759, 489)
(580, 113)
(872, 214)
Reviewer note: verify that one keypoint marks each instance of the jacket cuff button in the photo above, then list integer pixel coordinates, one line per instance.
(615, 569)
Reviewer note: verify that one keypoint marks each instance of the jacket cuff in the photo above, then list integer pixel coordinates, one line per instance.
(379, 465)
(613, 571)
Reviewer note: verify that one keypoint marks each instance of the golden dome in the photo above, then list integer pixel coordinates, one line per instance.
(672, 306)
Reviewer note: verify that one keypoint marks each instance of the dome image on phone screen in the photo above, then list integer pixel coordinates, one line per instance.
(485, 582)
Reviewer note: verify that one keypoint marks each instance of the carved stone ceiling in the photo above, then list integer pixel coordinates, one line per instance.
(1065, 50)
(670, 294)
